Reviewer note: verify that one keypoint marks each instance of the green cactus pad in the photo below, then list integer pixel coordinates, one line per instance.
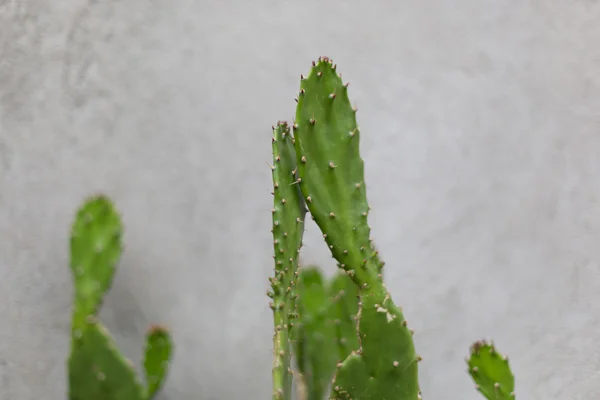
(343, 310)
(288, 212)
(314, 347)
(288, 229)
(386, 366)
(97, 371)
(156, 359)
(95, 251)
(491, 372)
(332, 171)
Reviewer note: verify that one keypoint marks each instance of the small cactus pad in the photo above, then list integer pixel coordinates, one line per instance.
(315, 340)
(331, 169)
(491, 372)
(156, 359)
(97, 371)
(386, 367)
(288, 212)
(343, 310)
(95, 251)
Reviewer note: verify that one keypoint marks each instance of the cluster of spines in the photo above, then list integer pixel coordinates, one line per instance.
(97, 370)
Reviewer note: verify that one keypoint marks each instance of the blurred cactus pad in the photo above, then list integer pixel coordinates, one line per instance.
(97, 370)
(337, 338)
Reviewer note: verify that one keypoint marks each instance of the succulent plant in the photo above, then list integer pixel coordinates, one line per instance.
(363, 344)
(288, 228)
(348, 338)
(97, 370)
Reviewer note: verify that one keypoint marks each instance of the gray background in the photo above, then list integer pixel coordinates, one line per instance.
(481, 135)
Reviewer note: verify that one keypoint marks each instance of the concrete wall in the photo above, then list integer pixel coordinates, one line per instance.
(481, 137)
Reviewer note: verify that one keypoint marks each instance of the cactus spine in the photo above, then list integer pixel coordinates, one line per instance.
(97, 370)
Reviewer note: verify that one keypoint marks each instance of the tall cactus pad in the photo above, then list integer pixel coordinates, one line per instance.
(288, 229)
(332, 171)
(491, 372)
(315, 334)
(97, 371)
(332, 183)
(156, 359)
(95, 251)
(288, 212)
(386, 366)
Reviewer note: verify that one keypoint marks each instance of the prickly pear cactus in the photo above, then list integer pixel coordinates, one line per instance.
(288, 229)
(331, 175)
(349, 327)
(491, 372)
(97, 370)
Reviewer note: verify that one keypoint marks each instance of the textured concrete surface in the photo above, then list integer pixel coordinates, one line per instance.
(481, 136)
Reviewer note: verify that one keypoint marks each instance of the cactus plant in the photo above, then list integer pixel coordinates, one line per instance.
(97, 370)
(380, 361)
(349, 339)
